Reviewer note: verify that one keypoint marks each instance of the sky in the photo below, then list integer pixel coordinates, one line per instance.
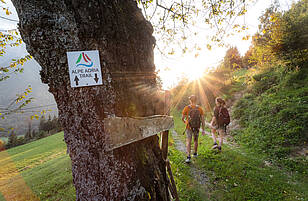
(193, 67)
(172, 68)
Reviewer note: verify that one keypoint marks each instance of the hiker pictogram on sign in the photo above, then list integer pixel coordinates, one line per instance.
(84, 68)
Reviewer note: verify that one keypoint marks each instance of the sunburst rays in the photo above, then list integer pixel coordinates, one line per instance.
(207, 88)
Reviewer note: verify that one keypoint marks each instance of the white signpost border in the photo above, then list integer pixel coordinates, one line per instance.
(84, 68)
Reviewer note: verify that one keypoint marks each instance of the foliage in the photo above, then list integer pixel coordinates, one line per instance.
(294, 42)
(46, 125)
(233, 59)
(247, 60)
(175, 22)
(274, 111)
(12, 140)
(266, 41)
(46, 128)
(11, 39)
(18, 103)
(282, 37)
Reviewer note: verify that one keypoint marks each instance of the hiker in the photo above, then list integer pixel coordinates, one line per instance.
(193, 116)
(219, 122)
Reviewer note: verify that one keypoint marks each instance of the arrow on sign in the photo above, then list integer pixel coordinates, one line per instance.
(96, 78)
(76, 80)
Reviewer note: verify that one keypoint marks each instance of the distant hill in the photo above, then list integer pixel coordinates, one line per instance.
(16, 84)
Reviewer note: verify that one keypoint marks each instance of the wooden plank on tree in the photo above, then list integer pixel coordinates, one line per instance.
(126, 130)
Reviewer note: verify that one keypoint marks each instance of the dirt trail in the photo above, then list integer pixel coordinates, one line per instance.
(198, 175)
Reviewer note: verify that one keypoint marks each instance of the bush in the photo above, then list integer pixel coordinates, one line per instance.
(277, 118)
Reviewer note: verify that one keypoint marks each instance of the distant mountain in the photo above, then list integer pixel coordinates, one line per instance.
(16, 84)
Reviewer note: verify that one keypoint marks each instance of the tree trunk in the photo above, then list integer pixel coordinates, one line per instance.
(125, 43)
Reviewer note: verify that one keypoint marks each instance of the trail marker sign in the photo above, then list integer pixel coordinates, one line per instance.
(84, 68)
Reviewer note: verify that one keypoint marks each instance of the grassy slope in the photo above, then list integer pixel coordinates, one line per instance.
(235, 174)
(44, 166)
(274, 116)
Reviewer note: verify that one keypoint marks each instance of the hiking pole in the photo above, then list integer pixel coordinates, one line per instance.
(184, 131)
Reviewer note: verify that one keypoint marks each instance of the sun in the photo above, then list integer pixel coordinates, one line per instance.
(192, 68)
(194, 73)
(172, 71)
(172, 75)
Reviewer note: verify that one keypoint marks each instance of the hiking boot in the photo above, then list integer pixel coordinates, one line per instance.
(188, 159)
(195, 155)
(215, 146)
(219, 148)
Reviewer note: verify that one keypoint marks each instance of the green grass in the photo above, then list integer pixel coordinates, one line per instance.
(44, 166)
(274, 116)
(187, 188)
(234, 174)
(237, 173)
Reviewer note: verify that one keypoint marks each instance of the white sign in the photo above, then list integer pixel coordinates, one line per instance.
(84, 68)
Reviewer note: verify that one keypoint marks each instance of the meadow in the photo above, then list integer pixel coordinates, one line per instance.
(41, 170)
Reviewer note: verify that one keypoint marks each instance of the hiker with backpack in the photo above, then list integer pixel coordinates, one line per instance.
(220, 121)
(193, 116)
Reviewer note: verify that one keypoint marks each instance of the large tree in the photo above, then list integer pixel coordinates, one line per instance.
(125, 43)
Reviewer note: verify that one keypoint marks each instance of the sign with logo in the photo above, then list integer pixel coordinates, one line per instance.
(84, 68)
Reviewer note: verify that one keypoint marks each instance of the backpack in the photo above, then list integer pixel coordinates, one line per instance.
(194, 118)
(223, 116)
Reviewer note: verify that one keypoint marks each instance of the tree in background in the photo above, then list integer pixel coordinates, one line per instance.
(275, 102)
(48, 125)
(12, 141)
(247, 60)
(42, 123)
(294, 40)
(282, 38)
(28, 135)
(266, 43)
(232, 59)
(56, 124)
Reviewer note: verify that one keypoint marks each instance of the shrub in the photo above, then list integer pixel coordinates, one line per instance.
(276, 119)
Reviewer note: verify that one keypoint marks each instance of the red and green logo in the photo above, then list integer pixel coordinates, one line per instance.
(84, 60)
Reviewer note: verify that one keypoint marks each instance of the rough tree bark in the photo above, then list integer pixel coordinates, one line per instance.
(124, 39)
